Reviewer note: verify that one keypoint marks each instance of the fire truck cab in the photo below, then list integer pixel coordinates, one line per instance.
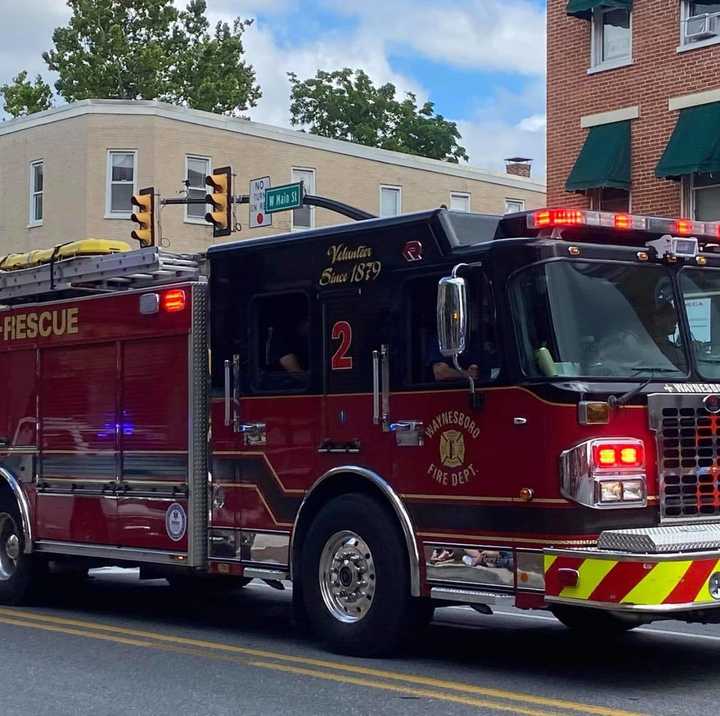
(396, 414)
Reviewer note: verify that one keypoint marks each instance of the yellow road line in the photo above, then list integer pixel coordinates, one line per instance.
(466, 700)
(16, 614)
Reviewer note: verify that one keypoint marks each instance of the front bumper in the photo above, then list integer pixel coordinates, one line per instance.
(660, 571)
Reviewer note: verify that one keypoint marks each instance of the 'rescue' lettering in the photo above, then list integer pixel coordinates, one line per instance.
(21, 326)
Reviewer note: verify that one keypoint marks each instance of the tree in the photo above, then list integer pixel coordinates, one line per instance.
(148, 49)
(345, 104)
(23, 97)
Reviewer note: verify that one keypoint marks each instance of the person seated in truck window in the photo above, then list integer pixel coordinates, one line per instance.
(663, 327)
(288, 350)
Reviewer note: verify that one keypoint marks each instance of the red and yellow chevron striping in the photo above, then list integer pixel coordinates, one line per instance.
(646, 581)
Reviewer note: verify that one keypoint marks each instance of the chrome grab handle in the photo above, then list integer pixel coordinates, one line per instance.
(227, 392)
(251, 428)
(385, 384)
(376, 387)
(406, 426)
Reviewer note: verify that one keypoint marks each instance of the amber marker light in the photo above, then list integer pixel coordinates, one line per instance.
(173, 301)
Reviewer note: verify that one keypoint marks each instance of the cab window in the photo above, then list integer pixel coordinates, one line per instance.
(280, 352)
(425, 363)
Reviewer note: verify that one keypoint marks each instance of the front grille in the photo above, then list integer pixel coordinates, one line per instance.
(688, 440)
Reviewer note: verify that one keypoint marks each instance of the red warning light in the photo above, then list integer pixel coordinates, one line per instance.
(622, 221)
(684, 227)
(173, 301)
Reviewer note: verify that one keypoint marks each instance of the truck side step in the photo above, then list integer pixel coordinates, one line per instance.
(462, 596)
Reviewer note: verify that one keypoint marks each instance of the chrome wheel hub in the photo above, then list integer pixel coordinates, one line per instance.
(9, 546)
(347, 576)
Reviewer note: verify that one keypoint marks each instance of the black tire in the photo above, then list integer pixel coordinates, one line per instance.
(594, 621)
(377, 617)
(19, 572)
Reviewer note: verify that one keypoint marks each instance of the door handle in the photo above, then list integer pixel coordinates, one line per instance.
(408, 433)
(254, 433)
(227, 394)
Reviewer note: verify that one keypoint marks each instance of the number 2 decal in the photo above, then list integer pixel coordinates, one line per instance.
(341, 331)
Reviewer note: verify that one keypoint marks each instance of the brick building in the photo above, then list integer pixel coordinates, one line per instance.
(634, 106)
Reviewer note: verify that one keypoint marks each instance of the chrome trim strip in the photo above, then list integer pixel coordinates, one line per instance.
(198, 428)
(255, 573)
(470, 564)
(644, 608)
(125, 554)
(395, 501)
(632, 556)
(23, 507)
(463, 596)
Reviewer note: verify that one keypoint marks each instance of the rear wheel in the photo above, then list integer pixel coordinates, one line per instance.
(17, 569)
(354, 579)
(595, 621)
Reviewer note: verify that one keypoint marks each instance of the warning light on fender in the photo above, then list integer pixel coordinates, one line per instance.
(173, 301)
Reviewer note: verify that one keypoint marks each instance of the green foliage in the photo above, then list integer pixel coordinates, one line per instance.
(345, 104)
(148, 49)
(22, 97)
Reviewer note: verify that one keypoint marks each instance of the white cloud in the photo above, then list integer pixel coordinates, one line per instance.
(533, 123)
(480, 34)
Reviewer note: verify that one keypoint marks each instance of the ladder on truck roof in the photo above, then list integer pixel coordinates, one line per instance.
(102, 273)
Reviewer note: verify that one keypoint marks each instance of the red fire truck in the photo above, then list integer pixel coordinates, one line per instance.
(395, 414)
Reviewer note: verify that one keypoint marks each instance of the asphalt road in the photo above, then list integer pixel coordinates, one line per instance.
(115, 645)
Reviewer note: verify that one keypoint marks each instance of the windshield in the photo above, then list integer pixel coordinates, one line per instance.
(593, 319)
(701, 293)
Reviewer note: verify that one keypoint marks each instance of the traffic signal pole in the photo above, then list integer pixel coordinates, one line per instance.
(321, 202)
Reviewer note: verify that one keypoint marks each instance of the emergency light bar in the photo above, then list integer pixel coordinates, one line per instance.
(551, 218)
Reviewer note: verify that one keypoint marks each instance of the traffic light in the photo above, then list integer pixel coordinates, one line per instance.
(220, 181)
(144, 216)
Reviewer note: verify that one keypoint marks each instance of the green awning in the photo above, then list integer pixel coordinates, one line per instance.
(695, 143)
(584, 8)
(604, 160)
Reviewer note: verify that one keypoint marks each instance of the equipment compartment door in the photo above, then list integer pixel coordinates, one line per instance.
(78, 443)
(153, 432)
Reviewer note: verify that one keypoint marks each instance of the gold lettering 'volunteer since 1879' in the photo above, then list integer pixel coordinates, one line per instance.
(41, 324)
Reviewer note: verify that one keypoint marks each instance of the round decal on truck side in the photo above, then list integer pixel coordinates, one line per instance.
(175, 522)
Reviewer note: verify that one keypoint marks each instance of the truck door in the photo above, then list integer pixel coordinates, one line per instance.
(265, 458)
(79, 443)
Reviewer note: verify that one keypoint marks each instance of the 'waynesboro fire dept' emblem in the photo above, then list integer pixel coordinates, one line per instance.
(451, 429)
(452, 448)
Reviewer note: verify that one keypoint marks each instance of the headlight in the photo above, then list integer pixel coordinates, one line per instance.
(605, 473)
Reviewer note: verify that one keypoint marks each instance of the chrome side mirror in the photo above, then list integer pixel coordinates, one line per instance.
(452, 316)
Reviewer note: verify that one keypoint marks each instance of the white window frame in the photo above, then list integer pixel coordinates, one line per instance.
(596, 44)
(518, 201)
(684, 46)
(32, 221)
(313, 190)
(196, 219)
(687, 196)
(464, 195)
(109, 213)
(392, 187)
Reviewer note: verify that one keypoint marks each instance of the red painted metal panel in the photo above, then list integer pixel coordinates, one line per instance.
(141, 523)
(17, 399)
(75, 519)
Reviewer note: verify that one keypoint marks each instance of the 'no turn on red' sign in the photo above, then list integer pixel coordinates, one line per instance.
(258, 216)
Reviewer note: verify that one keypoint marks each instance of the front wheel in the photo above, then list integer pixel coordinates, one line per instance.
(354, 576)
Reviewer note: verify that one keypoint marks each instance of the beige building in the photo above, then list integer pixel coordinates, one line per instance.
(68, 174)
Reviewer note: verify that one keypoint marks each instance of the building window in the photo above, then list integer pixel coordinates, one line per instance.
(120, 184)
(304, 217)
(512, 206)
(37, 185)
(196, 169)
(459, 201)
(609, 199)
(611, 37)
(700, 23)
(390, 200)
(702, 196)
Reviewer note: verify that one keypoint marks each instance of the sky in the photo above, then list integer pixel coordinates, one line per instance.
(482, 62)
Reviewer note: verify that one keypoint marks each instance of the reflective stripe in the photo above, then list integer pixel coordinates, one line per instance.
(592, 572)
(658, 584)
(704, 593)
